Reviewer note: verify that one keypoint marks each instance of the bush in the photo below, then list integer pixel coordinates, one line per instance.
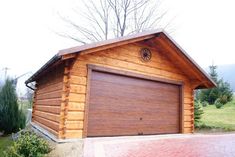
(218, 103)
(205, 103)
(21, 119)
(28, 145)
(197, 113)
(11, 119)
(223, 99)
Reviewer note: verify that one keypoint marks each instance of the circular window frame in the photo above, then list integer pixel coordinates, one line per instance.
(145, 54)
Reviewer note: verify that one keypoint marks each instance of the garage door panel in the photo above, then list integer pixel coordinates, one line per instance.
(116, 115)
(160, 130)
(122, 109)
(110, 132)
(114, 79)
(121, 105)
(135, 96)
(112, 128)
(132, 95)
(141, 105)
(139, 88)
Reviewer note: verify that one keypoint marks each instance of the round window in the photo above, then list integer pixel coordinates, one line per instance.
(145, 54)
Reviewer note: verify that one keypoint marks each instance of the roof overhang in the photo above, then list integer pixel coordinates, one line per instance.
(102, 45)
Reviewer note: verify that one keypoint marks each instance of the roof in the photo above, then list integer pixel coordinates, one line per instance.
(114, 43)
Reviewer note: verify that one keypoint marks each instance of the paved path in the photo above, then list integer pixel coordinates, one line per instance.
(222, 145)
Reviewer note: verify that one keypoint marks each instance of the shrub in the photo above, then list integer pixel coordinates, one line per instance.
(197, 113)
(21, 119)
(11, 119)
(218, 103)
(223, 99)
(28, 145)
(205, 103)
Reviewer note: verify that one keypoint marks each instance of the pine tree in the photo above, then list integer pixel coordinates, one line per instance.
(213, 74)
(197, 113)
(11, 118)
(222, 93)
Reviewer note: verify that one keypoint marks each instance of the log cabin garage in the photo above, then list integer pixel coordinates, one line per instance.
(140, 84)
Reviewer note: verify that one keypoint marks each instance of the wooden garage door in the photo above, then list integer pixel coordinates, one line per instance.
(122, 105)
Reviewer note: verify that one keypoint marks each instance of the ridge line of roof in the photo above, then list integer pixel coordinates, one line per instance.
(76, 49)
(109, 41)
(80, 48)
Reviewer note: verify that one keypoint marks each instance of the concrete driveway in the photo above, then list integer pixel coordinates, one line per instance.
(221, 145)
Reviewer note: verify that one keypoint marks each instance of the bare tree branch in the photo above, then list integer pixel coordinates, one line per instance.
(114, 18)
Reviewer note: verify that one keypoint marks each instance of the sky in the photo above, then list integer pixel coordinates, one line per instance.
(203, 28)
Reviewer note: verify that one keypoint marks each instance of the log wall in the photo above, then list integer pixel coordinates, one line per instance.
(123, 58)
(60, 97)
(47, 101)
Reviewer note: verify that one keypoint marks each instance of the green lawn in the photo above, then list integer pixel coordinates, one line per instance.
(4, 143)
(219, 118)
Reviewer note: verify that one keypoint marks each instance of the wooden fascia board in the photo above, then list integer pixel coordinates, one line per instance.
(68, 56)
(116, 44)
(195, 69)
(104, 46)
(175, 56)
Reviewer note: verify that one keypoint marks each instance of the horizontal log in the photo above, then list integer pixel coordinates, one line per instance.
(188, 130)
(74, 125)
(188, 107)
(49, 81)
(48, 116)
(50, 88)
(130, 66)
(73, 97)
(52, 102)
(188, 124)
(76, 106)
(79, 89)
(134, 49)
(48, 123)
(79, 71)
(188, 100)
(188, 112)
(160, 62)
(73, 134)
(50, 95)
(188, 118)
(78, 80)
(50, 109)
(47, 128)
(75, 115)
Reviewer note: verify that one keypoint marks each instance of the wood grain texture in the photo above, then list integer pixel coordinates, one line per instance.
(47, 100)
(122, 105)
(127, 58)
(67, 90)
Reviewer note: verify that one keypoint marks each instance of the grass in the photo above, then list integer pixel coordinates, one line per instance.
(223, 118)
(5, 141)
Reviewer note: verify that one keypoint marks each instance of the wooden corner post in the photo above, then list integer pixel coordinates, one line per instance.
(65, 100)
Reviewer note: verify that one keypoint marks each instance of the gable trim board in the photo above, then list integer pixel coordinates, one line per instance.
(89, 48)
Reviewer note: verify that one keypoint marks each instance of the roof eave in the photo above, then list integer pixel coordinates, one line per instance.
(121, 40)
(213, 84)
(53, 60)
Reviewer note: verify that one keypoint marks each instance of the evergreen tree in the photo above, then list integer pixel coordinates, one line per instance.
(213, 74)
(197, 113)
(11, 118)
(223, 92)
